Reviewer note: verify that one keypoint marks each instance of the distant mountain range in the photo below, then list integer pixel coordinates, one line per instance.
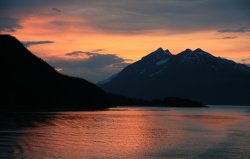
(190, 74)
(29, 84)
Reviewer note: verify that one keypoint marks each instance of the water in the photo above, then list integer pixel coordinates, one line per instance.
(136, 133)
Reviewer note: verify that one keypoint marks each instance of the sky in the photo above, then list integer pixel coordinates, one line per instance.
(94, 39)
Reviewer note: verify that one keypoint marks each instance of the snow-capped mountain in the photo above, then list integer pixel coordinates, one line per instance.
(190, 74)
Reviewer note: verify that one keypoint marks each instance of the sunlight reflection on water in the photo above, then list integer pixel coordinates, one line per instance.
(216, 132)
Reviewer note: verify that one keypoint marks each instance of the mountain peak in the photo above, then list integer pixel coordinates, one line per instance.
(6, 38)
(157, 55)
(194, 53)
(159, 50)
(188, 50)
(167, 52)
(198, 50)
(201, 52)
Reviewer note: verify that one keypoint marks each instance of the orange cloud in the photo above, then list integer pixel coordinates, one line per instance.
(72, 33)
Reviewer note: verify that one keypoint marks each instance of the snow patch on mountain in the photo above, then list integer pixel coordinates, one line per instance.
(161, 62)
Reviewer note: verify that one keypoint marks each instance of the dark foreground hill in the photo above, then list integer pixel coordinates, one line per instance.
(28, 81)
(190, 74)
(29, 84)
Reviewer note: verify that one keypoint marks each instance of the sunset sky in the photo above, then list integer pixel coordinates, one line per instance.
(93, 39)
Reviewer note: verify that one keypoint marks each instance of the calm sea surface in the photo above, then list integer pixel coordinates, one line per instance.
(130, 133)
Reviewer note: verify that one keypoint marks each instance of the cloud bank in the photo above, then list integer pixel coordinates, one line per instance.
(140, 16)
(246, 60)
(30, 43)
(93, 68)
(9, 24)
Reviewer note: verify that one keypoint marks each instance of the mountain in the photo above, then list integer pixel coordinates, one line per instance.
(196, 75)
(30, 83)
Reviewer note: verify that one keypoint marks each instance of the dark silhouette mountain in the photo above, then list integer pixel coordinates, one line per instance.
(190, 74)
(29, 84)
(28, 81)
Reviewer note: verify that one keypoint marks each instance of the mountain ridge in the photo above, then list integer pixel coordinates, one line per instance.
(30, 84)
(190, 74)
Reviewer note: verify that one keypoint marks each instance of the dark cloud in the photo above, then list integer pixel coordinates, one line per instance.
(88, 53)
(103, 60)
(95, 67)
(235, 30)
(9, 24)
(173, 16)
(229, 37)
(98, 50)
(246, 59)
(139, 16)
(30, 43)
(79, 53)
(56, 10)
(95, 60)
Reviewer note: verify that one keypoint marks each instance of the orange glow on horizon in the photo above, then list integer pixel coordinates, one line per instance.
(71, 35)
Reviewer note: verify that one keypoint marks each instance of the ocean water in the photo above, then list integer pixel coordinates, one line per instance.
(218, 132)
